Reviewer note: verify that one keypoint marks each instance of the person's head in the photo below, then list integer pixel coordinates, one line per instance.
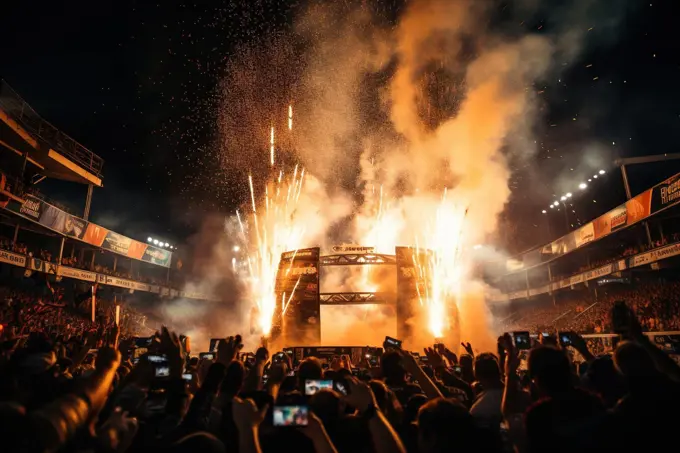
(233, 379)
(634, 362)
(328, 406)
(310, 368)
(466, 365)
(392, 368)
(550, 370)
(445, 425)
(487, 369)
(601, 377)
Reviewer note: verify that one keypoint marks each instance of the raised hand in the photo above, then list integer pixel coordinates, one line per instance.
(261, 356)
(434, 358)
(512, 360)
(450, 356)
(314, 429)
(172, 348)
(107, 358)
(246, 414)
(468, 348)
(227, 350)
(360, 394)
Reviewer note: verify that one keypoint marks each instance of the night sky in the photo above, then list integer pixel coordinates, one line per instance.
(135, 82)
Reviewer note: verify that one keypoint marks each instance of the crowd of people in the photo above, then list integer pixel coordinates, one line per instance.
(75, 262)
(67, 384)
(48, 310)
(656, 302)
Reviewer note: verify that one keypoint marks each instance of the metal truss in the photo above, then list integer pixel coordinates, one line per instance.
(355, 298)
(357, 260)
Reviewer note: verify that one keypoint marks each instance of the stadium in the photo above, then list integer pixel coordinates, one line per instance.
(567, 284)
(368, 226)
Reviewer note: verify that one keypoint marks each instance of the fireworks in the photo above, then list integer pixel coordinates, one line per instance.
(440, 264)
(271, 148)
(290, 117)
(267, 236)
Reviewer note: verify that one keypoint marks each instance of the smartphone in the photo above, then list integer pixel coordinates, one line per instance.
(458, 370)
(143, 342)
(206, 356)
(545, 334)
(392, 343)
(162, 371)
(620, 321)
(279, 357)
(187, 377)
(341, 386)
(565, 338)
(522, 340)
(290, 415)
(156, 358)
(313, 386)
(213, 344)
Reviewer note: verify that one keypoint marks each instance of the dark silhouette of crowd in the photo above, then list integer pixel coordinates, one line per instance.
(67, 384)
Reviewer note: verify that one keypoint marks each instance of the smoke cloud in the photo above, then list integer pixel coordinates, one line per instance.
(406, 133)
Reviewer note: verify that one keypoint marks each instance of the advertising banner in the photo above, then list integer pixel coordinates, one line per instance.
(352, 249)
(78, 274)
(74, 227)
(599, 272)
(95, 235)
(666, 194)
(12, 258)
(563, 245)
(655, 255)
(122, 283)
(42, 266)
(639, 207)
(610, 221)
(651, 201)
(155, 255)
(116, 243)
(584, 235)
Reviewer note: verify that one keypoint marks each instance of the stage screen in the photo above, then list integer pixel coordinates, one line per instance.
(357, 325)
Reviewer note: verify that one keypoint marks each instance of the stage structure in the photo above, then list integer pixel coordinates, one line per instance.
(298, 314)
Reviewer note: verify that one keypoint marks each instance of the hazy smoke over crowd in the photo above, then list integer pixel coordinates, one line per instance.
(414, 123)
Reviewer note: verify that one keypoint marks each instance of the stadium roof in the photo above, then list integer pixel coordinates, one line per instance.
(57, 155)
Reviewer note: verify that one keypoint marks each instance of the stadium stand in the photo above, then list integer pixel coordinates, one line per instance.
(46, 242)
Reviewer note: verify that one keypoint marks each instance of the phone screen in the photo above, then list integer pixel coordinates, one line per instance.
(313, 386)
(156, 358)
(162, 371)
(207, 355)
(290, 415)
(187, 376)
(143, 342)
(393, 342)
(522, 340)
(565, 339)
(341, 386)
